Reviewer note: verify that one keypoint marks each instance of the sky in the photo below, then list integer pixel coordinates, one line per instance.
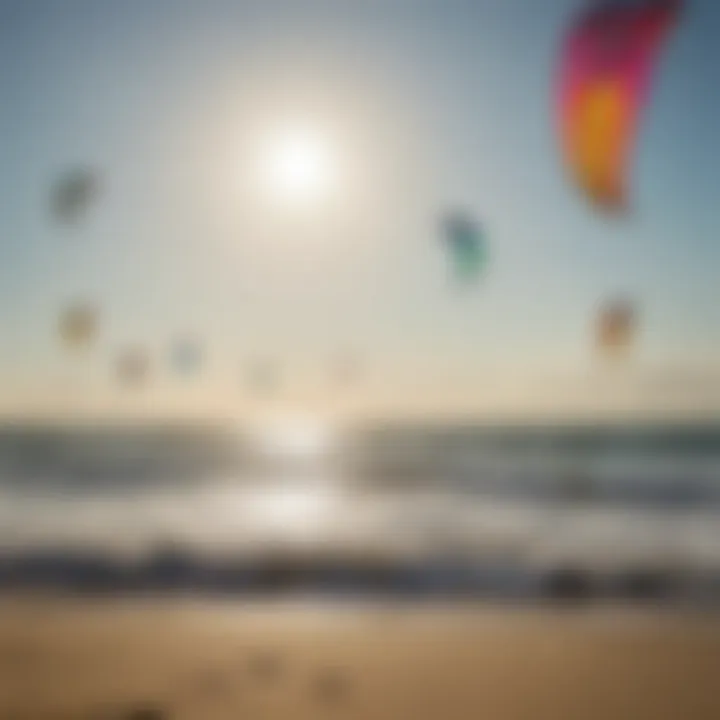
(423, 105)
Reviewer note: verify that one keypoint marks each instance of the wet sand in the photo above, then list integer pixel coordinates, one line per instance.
(189, 659)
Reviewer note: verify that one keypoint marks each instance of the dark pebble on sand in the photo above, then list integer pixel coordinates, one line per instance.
(211, 682)
(265, 666)
(331, 686)
(146, 712)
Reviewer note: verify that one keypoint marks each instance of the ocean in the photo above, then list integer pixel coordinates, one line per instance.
(500, 509)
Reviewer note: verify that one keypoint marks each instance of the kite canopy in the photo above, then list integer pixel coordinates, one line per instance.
(606, 69)
(73, 194)
(132, 367)
(186, 356)
(465, 242)
(262, 377)
(345, 368)
(616, 327)
(78, 325)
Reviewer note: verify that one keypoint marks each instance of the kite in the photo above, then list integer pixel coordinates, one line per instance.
(616, 327)
(465, 242)
(73, 194)
(78, 325)
(186, 356)
(346, 369)
(606, 69)
(263, 377)
(132, 367)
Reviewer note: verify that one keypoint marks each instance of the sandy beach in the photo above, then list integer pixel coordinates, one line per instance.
(191, 659)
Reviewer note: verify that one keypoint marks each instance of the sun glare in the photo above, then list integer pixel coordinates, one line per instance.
(299, 167)
(292, 509)
(295, 437)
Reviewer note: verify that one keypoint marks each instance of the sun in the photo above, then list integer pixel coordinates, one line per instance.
(299, 167)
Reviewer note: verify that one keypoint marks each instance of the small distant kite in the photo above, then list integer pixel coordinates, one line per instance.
(616, 328)
(73, 193)
(345, 369)
(263, 377)
(606, 68)
(132, 367)
(186, 356)
(78, 325)
(466, 246)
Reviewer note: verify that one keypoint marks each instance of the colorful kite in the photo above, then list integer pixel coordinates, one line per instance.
(186, 356)
(73, 194)
(465, 242)
(616, 327)
(78, 325)
(605, 74)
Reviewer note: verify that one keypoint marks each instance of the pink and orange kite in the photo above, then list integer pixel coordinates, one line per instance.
(605, 73)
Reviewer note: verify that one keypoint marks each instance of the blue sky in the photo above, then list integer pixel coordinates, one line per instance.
(430, 103)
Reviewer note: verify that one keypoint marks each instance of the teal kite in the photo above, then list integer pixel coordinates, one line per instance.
(465, 242)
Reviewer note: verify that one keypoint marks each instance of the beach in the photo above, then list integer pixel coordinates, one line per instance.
(190, 658)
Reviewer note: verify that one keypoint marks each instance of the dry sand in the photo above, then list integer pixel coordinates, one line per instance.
(187, 659)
